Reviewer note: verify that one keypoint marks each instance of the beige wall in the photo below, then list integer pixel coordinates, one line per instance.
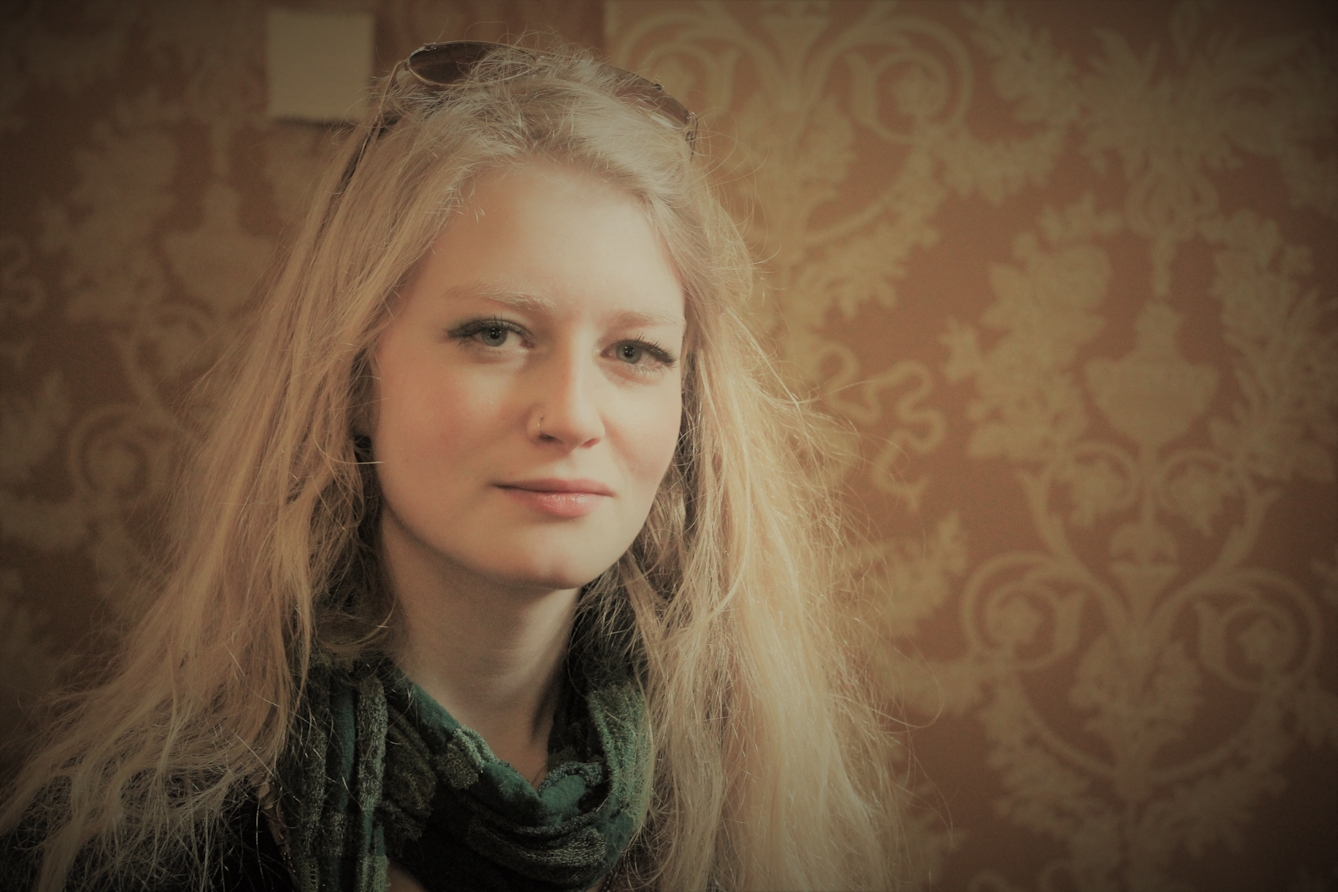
(1069, 268)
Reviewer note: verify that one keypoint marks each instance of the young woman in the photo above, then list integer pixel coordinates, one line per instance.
(506, 565)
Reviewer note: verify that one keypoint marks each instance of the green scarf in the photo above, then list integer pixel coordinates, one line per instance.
(377, 769)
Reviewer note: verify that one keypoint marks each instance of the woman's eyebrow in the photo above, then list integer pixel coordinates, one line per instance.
(524, 300)
(520, 300)
(649, 319)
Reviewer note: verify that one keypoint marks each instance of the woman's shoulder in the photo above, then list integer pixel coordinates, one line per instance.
(248, 860)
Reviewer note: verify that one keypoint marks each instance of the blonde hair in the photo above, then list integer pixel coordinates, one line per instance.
(772, 761)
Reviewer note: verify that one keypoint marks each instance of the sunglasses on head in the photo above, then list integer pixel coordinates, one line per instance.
(442, 64)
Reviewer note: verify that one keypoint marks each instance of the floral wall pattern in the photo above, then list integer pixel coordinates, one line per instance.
(1067, 269)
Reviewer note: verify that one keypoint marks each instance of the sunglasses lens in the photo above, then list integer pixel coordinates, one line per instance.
(445, 63)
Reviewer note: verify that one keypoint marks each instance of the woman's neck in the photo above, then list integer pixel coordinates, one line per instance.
(488, 653)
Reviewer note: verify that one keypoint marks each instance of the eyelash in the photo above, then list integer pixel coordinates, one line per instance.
(470, 330)
(475, 327)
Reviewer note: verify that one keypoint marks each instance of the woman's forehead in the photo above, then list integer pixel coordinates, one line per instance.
(538, 236)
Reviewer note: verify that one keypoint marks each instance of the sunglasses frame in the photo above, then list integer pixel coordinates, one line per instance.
(443, 64)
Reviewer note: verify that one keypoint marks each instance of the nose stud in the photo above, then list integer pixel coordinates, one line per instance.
(539, 429)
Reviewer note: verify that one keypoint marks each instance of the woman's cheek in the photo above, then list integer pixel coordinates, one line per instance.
(657, 435)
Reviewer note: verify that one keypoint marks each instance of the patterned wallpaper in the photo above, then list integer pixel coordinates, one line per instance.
(1068, 269)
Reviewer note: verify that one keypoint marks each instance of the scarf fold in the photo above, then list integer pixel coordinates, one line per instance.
(376, 770)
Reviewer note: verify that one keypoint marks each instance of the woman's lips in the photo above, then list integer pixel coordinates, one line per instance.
(558, 498)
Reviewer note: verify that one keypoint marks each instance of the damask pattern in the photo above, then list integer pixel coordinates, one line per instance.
(1067, 270)
(1137, 365)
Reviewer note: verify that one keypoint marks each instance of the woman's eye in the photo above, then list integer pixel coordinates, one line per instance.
(492, 334)
(643, 356)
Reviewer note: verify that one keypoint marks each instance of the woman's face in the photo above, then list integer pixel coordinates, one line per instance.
(528, 386)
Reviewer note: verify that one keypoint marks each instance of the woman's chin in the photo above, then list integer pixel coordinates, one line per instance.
(547, 577)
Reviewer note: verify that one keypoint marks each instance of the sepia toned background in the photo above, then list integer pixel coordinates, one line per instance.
(1069, 269)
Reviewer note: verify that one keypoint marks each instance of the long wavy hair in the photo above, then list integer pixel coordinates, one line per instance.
(772, 759)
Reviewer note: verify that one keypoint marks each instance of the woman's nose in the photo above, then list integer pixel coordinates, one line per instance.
(566, 408)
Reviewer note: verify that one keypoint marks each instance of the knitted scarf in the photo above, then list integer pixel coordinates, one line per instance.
(378, 770)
